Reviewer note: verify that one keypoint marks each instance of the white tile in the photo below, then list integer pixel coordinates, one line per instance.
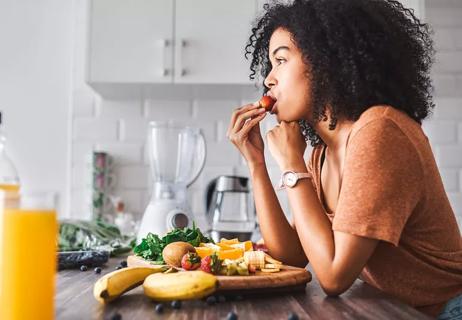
(450, 179)
(83, 103)
(445, 38)
(209, 173)
(132, 177)
(445, 85)
(164, 110)
(448, 109)
(132, 200)
(79, 208)
(448, 61)
(120, 109)
(80, 150)
(122, 153)
(455, 198)
(440, 132)
(209, 110)
(458, 37)
(445, 15)
(95, 129)
(222, 153)
(133, 129)
(449, 156)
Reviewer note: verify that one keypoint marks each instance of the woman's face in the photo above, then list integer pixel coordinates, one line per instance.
(287, 81)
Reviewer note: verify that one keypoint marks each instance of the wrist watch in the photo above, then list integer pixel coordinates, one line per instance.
(290, 178)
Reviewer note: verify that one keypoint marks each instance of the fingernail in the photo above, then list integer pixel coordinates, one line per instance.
(261, 110)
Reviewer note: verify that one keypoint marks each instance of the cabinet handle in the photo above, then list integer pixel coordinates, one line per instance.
(183, 71)
(165, 43)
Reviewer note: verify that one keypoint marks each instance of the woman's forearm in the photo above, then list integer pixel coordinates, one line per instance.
(280, 238)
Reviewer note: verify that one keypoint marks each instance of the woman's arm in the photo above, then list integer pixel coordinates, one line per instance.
(337, 258)
(280, 238)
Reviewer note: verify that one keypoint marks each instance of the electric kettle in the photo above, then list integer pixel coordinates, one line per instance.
(230, 208)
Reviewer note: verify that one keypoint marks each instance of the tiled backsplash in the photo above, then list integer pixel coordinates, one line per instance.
(119, 127)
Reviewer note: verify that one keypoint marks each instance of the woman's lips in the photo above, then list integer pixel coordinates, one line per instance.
(274, 109)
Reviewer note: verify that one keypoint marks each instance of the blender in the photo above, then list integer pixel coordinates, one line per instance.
(177, 156)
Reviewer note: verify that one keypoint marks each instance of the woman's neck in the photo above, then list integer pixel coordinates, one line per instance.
(335, 140)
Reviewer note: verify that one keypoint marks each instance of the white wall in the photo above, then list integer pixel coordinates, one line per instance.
(35, 80)
(444, 128)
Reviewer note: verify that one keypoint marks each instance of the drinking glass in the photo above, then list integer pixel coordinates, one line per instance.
(28, 240)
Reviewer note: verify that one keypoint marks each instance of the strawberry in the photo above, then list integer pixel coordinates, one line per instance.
(190, 261)
(211, 264)
(267, 102)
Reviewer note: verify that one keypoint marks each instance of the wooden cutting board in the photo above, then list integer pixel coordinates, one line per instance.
(288, 279)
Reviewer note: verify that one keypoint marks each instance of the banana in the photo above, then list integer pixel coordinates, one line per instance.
(114, 284)
(186, 285)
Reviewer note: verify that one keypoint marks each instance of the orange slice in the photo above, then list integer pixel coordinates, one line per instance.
(224, 246)
(204, 251)
(232, 254)
(229, 241)
(246, 246)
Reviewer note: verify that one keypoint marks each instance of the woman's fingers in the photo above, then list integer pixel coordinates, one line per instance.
(251, 123)
(246, 116)
(237, 113)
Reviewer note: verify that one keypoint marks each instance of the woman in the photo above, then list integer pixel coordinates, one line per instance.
(353, 78)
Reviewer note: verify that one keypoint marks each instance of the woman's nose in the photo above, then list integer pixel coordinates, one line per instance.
(270, 81)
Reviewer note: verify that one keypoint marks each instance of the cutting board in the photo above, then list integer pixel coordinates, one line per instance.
(288, 279)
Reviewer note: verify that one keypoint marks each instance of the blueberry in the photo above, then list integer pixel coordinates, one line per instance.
(118, 267)
(159, 308)
(123, 263)
(116, 316)
(97, 270)
(83, 268)
(292, 316)
(176, 304)
(231, 316)
(211, 300)
(221, 298)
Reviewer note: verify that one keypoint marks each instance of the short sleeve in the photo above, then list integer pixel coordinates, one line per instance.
(382, 182)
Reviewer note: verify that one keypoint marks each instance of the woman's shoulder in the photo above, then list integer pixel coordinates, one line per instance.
(381, 118)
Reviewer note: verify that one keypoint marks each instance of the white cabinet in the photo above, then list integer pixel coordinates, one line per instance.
(211, 36)
(130, 41)
(169, 41)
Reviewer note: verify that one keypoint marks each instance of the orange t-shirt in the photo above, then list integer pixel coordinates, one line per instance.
(392, 191)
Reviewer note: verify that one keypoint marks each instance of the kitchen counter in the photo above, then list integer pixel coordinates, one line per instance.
(74, 300)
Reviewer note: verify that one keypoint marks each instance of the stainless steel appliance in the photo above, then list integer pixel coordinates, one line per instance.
(230, 208)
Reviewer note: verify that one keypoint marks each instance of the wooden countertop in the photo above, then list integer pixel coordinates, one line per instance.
(74, 300)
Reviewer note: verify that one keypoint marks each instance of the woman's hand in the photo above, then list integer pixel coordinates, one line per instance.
(244, 133)
(287, 145)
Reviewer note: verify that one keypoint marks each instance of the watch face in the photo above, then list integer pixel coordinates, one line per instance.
(290, 179)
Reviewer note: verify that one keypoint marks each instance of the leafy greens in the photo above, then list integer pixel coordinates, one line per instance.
(151, 247)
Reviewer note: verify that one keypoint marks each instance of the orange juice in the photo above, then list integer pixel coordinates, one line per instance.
(28, 264)
(9, 187)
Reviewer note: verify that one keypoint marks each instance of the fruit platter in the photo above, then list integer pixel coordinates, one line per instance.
(184, 265)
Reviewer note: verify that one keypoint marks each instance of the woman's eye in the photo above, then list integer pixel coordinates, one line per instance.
(280, 60)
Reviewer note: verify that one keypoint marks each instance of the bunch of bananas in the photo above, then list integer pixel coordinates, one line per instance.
(159, 283)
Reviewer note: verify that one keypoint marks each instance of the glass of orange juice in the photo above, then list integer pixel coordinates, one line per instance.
(28, 231)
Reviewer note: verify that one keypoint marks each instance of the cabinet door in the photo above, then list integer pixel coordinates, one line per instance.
(130, 41)
(210, 38)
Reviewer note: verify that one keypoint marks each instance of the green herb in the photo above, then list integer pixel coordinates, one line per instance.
(151, 247)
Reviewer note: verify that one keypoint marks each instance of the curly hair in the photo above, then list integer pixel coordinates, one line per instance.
(360, 53)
